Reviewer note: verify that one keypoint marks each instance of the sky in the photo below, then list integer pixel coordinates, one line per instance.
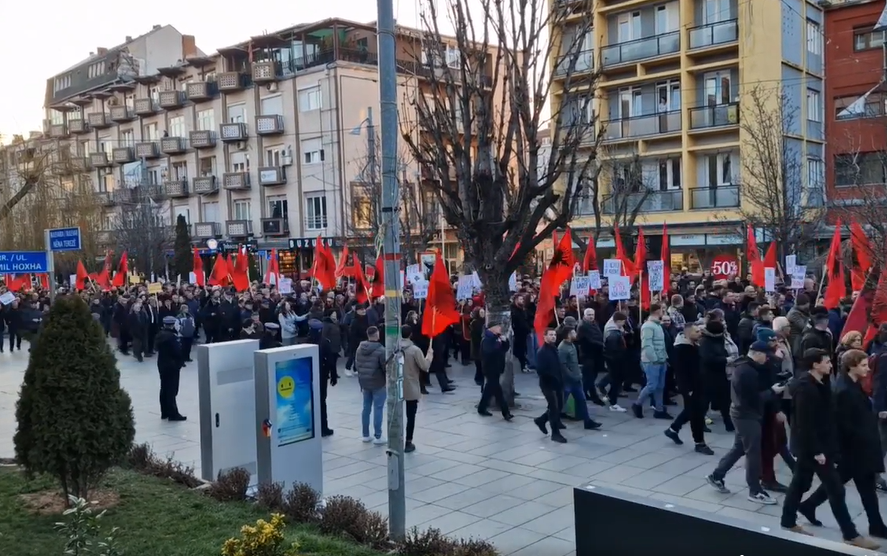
(40, 39)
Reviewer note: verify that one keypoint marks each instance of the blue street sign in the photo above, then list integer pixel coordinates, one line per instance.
(23, 262)
(64, 239)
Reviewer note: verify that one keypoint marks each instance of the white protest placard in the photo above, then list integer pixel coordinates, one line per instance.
(414, 273)
(464, 287)
(770, 279)
(655, 276)
(800, 271)
(797, 282)
(790, 263)
(612, 267)
(420, 289)
(401, 280)
(512, 282)
(620, 288)
(475, 280)
(286, 286)
(594, 279)
(579, 286)
(7, 298)
(72, 280)
(192, 278)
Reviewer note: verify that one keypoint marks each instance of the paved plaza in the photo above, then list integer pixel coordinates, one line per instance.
(474, 476)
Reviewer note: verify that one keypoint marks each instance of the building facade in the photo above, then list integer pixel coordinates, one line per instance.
(671, 81)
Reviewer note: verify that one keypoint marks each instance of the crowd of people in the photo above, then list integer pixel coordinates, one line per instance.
(772, 368)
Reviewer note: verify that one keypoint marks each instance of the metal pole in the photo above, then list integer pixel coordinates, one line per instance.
(371, 148)
(50, 266)
(391, 230)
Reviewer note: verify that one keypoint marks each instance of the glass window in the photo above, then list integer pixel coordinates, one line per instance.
(865, 39)
(309, 99)
(278, 206)
(176, 127)
(869, 105)
(242, 209)
(316, 212)
(182, 211)
(859, 169)
(814, 38)
(210, 212)
(272, 106)
(814, 106)
(206, 120)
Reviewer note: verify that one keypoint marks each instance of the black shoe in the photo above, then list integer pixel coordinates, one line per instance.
(409, 447)
(880, 532)
(592, 425)
(704, 449)
(774, 486)
(705, 428)
(508, 416)
(189, 360)
(637, 410)
(517, 394)
(669, 401)
(424, 390)
(594, 398)
(327, 432)
(670, 432)
(662, 415)
(447, 388)
(164, 417)
(629, 389)
(809, 514)
(541, 424)
(602, 391)
(560, 426)
(178, 418)
(558, 438)
(729, 427)
(140, 359)
(485, 413)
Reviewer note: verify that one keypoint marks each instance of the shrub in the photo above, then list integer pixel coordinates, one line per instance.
(74, 420)
(430, 542)
(270, 497)
(142, 458)
(263, 539)
(349, 518)
(230, 485)
(300, 504)
(475, 547)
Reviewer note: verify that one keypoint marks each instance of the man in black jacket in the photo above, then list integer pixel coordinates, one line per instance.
(688, 374)
(494, 347)
(551, 381)
(813, 442)
(818, 337)
(591, 354)
(169, 365)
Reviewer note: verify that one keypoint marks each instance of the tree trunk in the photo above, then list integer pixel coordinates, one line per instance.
(497, 300)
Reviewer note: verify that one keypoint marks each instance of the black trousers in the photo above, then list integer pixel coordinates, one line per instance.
(478, 373)
(15, 339)
(693, 413)
(169, 389)
(554, 399)
(412, 407)
(802, 480)
(589, 375)
(613, 379)
(492, 389)
(123, 340)
(865, 485)
(138, 347)
(324, 386)
(187, 343)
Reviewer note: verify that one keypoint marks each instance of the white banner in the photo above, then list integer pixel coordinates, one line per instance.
(475, 280)
(655, 276)
(620, 288)
(420, 289)
(612, 267)
(286, 286)
(512, 281)
(770, 280)
(7, 298)
(800, 271)
(414, 273)
(790, 262)
(465, 288)
(797, 282)
(579, 286)
(594, 280)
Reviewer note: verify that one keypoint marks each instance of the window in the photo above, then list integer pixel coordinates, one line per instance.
(105, 146)
(669, 96)
(717, 88)
(127, 138)
(108, 183)
(237, 114)
(210, 212)
(669, 174)
(95, 70)
(206, 166)
(110, 222)
(815, 182)
(814, 106)
(814, 38)
(865, 39)
(206, 120)
(720, 169)
(240, 162)
(316, 211)
(859, 169)
(176, 127)
(242, 210)
(278, 207)
(60, 83)
(454, 57)
(272, 106)
(361, 208)
(179, 171)
(154, 176)
(312, 151)
(274, 155)
(149, 132)
(869, 105)
(309, 99)
(182, 211)
(667, 18)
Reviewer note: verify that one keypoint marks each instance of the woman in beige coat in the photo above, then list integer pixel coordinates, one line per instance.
(414, 364)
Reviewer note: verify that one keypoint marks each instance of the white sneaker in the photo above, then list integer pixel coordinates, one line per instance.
(367, 439)
(349, 373)
(380, 441)
(617, 408)
(762, 498)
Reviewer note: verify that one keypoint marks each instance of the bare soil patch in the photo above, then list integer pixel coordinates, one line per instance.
(51, 502)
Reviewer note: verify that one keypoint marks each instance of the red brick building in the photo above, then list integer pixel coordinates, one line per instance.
(855, 99)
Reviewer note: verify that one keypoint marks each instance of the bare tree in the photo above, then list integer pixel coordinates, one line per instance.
(143, 228)
(23, 168)
(775, 196)
(478, 125)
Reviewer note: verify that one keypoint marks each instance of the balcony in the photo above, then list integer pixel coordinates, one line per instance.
(176, 188)
(99, 120)
(207, 230)
(105, 198)
(104, 237)
(78, 127)
(584, 63)
(235, 180)
(720, 115)
(713, 34)
(122, 155)
(238, 228)
(231, 81)
(202, 139)
(721, 196)
(264, 72)
(233, 132)
(275, 227)
(272, 175)
(147, 150)
(204, 185)
(99, 160)
(173, 145)
(144, 107)
(58, 131)
(170, 100)
(81, 164)
(200, 91)
(646, 201)
(643, 126)
(269, 125)
(121, 114)
(641, 49)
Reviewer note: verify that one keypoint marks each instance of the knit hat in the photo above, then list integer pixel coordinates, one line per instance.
(759, 346)
(765, 335)
(570, 321)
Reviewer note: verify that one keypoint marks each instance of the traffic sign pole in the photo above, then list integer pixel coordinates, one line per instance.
(50, 265)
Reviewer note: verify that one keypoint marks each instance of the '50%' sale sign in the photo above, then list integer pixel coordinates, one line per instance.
(725, 267)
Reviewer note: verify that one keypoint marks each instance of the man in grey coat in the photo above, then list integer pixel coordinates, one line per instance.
(369, 363)
(569, 359)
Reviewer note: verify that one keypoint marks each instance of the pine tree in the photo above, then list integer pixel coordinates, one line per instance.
(182, 261)
(74, 419)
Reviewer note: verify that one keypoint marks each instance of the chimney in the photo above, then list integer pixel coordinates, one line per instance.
(189, 47)
(128, 38)
(101, 50)
(156, 27)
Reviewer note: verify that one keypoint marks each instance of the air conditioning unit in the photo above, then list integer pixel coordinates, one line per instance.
(272, 87)
(240, 145)
(287, 158)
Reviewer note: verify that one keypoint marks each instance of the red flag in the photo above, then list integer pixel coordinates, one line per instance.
(361, 287)
(862, 250)
(122, 270)
(273, 272)
(666, 259)
(324, 265)
(646, 295)
(835, 271)
(199, 276)
(640, 255)
(590, 260)
(378, 289)
(770, 259)
(18, 282)
(103, 277)
(343, 262)
(240, 273)
(219, 274)
(754, 258)
(545, 305)
(440, 306)
(562, 260)
(44, 281)
(628, 268)
(82, 276)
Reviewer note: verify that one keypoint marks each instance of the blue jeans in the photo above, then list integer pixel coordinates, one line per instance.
(655, 373)
(532, 348)
(375, 400)
(575, 388)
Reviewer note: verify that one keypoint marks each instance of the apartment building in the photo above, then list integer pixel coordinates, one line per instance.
(263, 143)
(672, 78)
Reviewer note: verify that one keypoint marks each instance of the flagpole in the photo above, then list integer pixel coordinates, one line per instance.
(641, 296)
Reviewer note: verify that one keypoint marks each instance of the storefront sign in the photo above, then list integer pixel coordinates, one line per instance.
(723, 239)
(687, 239)
(311, 242)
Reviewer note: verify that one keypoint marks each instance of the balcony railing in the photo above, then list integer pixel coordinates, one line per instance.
(238, 228)
(202, 139)
(105, 198)
(644, 201)
(199, 91)
(719, 115)
(176, 188)
(721, 196)
(58, 131)
(99, 160)
(98, 120)
(712, 34)
(233, 132)
(78, 126)
(235, 180)
(173, 145)
(144, 106)
(170, 100)
(318, 222)
(640, 49)
(643, 126)
(272, 175)
(121, 114)
(264, 72)
(122, 155)
(269, 125)
(231, 81)
(147, 149)
(206, 230)
(204, 185)
(275, 227)
(584, 63)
